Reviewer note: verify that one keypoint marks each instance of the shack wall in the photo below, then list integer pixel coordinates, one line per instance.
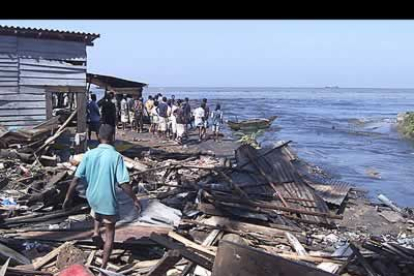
(27, 67)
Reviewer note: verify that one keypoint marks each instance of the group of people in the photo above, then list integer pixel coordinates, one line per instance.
(172, 118)
(169, 118)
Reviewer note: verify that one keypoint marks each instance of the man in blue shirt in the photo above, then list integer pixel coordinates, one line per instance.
(94, 117)
(103, 168)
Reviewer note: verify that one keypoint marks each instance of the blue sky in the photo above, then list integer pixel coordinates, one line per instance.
(253, 53)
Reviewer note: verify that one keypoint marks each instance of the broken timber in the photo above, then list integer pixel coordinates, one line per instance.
(193, 257)
(234, 259)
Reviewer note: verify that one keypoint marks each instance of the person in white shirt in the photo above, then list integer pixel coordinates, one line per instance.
(124, 112)
(199, 119)
(154, 118)
(173, 121)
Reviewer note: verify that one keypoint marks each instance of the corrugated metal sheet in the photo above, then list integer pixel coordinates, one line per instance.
(51, 73)
(333, 192)
(27, 67)
(277, 165)
(39, 33)
(51, 49)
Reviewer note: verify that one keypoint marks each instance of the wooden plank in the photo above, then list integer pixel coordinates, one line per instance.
(234, 259)
(244, 227)
(50, 256)
(296, 244)
(169, 259)
(370, 271)
(190, 244)
(15, 256)
(4, 267)
(49, 105)
(209, 240)
(81, 102)
(201, 261)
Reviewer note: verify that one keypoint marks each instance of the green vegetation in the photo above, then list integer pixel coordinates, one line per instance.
(407, 124)
(250, 138)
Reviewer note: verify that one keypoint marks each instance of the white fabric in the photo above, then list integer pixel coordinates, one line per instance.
(162, 124)
(199, 113)
(180, 130)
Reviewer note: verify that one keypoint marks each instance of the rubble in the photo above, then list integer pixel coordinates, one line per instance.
(275, 212)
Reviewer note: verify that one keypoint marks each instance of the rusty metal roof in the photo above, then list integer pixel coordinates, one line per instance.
(49, 34)
(113, 82)
(277, 165)
(333, 191)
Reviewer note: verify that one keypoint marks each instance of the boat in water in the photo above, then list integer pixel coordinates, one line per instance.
(252, 124)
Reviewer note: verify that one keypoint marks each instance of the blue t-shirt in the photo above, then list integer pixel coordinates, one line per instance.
(103, 168)
(93, 112)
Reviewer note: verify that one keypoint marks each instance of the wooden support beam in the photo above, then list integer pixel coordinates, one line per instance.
(169, 259)
(190, 244)
(241, 260)
(368, 268)
(81, 102)
(49, 105)
(189, 255)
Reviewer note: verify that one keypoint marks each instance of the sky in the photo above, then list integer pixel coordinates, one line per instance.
(249, 53)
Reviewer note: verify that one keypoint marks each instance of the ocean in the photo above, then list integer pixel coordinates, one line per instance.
(348, 132)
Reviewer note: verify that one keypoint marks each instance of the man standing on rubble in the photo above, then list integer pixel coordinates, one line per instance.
(103, 168)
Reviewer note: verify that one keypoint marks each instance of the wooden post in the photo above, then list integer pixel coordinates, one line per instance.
(49, 105)
(81, 119)
(169, 259)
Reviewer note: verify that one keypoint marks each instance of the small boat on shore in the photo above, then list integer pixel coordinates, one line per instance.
(252, 124)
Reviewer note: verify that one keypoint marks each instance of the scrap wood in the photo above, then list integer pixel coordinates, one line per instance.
(169, 259)
(307, 258)
(249, 228)
(58, 132)
(277, 207)
(362, 261)
(90, 257)
(4, 267)
(209, 240)
(140, 264)
(191, 256)
(241, 260)
(15, 256)
(296, 244)
(264, 154)
(105, 271)
(17, 271)
(190, 244)
(50, 256)
(109, 265)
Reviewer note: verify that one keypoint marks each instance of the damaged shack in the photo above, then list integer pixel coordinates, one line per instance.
(36, 67)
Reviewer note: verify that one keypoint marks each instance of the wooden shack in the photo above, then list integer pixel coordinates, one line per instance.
(116, 85)
(34, 63)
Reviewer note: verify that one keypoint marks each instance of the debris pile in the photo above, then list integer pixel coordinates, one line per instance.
(265, 212)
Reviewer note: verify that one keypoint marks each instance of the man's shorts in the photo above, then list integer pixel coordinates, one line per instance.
(94, 126)
(106, 219)
(162, 124)
(180, 130)
(215, 127)
(131, 117)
